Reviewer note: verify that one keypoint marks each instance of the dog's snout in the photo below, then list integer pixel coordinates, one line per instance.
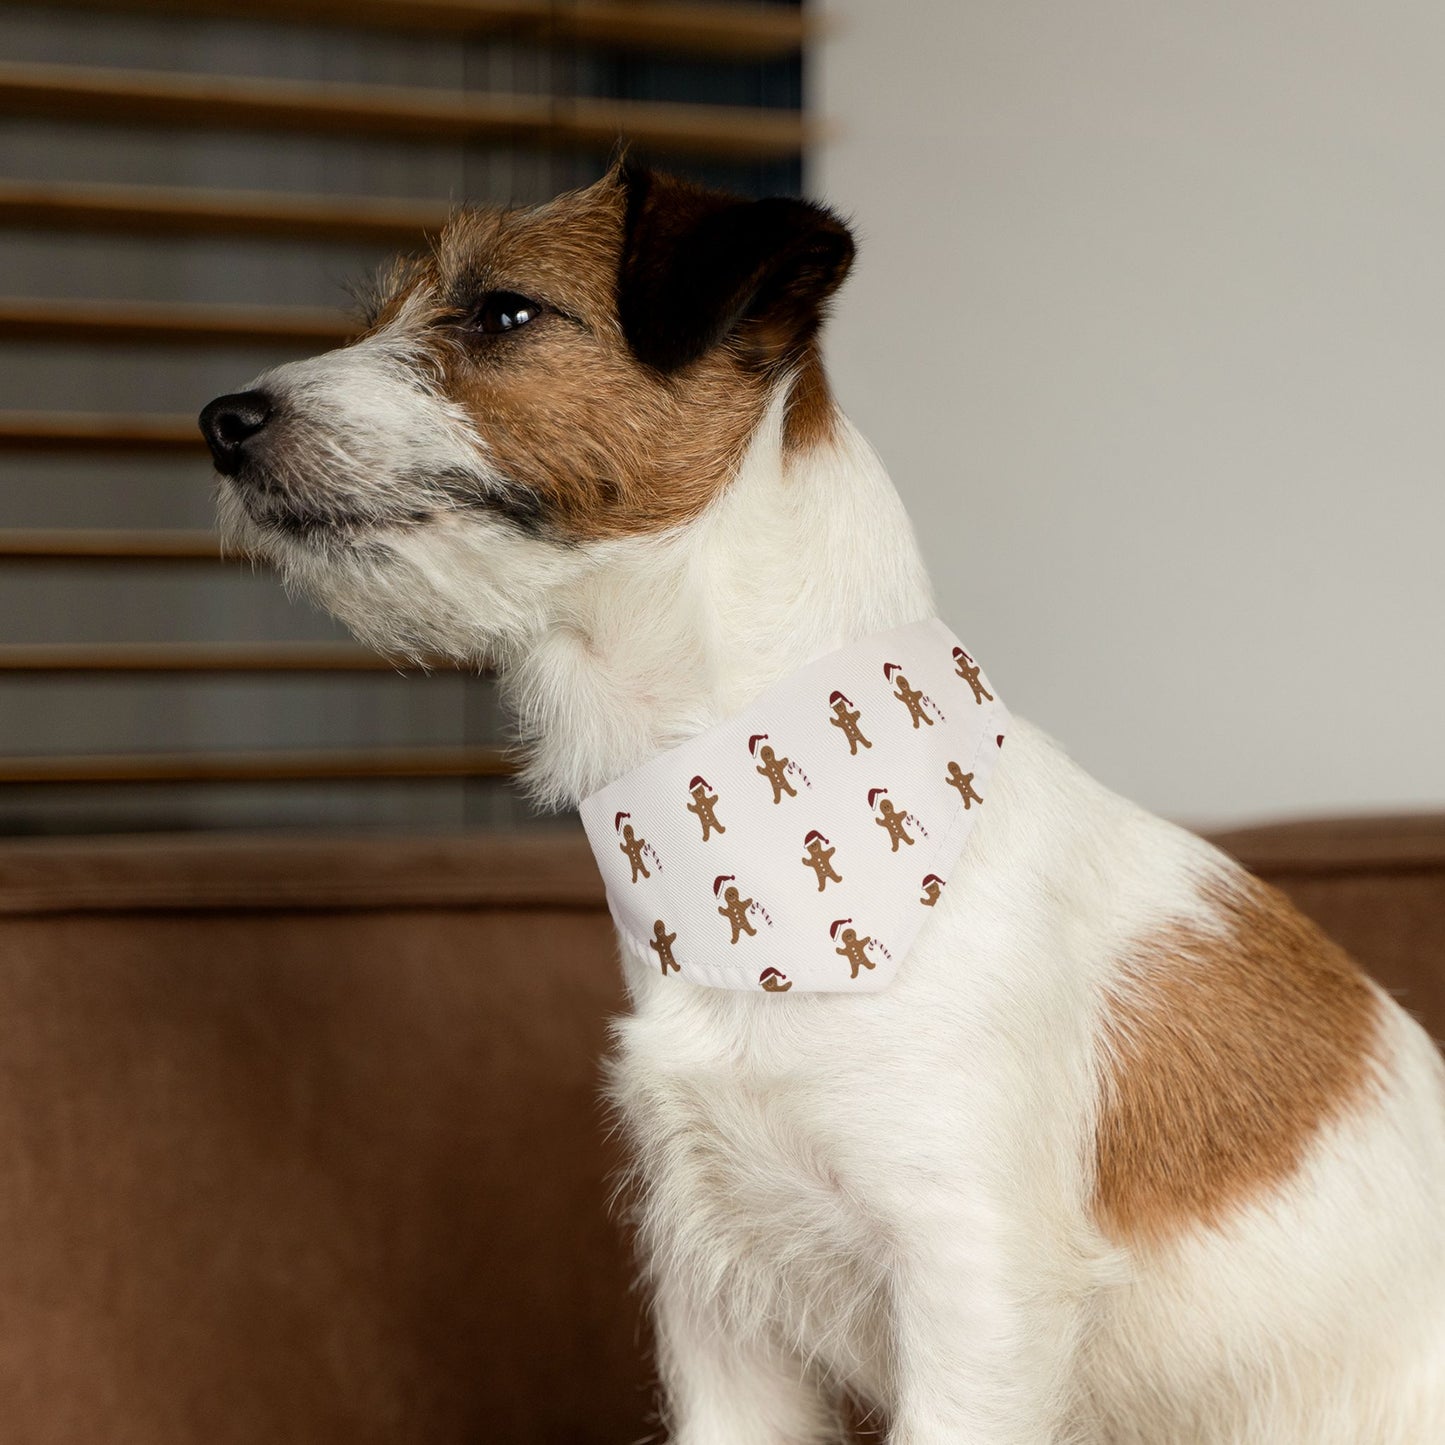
(229, 422)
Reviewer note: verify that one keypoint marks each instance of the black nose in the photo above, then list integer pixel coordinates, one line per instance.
(229, 422)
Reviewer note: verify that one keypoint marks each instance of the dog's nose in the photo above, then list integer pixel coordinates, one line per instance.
(229, 422)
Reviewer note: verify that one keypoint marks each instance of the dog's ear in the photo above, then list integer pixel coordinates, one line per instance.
(700, 266)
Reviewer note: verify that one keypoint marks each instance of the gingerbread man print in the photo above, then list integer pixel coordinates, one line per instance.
(845, 717)
(932, 889)
(775, 770)
(703, 803)
(963, 781)
(818, 856)
(969, 671)
(912, 699)
(661, 944)
(855, 950)
(893, 819)
(632, 845)
(735, 910)
(774, 981)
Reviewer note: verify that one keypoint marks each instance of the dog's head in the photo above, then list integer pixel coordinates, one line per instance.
(544, 383)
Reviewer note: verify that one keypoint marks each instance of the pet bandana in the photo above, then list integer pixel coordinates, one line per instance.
(801, 844)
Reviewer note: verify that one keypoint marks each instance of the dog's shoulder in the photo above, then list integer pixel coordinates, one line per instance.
(1231, 1038)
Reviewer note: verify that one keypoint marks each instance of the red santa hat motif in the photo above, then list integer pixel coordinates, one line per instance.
(815, 836)
(617, 821)
(754, 741)
(718, 882)
(873, 796)
(837, 924)
(889, 668)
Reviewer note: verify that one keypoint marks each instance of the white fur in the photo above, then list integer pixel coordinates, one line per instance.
(891, 1194)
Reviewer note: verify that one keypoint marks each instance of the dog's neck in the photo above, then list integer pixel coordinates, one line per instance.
(805, 552)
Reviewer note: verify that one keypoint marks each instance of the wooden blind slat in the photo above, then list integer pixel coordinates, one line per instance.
(172, 211)
(271, 766)
(226, 103)
(217, 102)
(755, 32)
(171, 323)
(77, 431)
(81, 544)
(762, 32)
(186, 657)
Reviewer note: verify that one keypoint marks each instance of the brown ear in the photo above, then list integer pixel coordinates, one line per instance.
(699, 266)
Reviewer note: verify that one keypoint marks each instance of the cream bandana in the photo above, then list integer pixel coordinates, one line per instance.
(801, 844)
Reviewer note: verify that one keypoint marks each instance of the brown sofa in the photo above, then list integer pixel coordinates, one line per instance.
(302, 1140)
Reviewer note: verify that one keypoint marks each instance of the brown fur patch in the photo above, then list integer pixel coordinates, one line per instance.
(606, 445)
(812, 415)
(1227, 1053)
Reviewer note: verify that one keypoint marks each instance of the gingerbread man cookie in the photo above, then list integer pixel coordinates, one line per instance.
(963, 781)
(819, 858)
(847, 720)
(736, 913)
(969, 671)
(912, 699)
(661, 944)
(892, 819)
(775, 770)
(854, 949)
(632, 845)
(703, 803)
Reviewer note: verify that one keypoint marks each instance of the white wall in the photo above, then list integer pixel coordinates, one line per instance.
(1149, 324)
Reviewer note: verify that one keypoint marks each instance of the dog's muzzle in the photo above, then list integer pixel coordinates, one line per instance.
(231, 423)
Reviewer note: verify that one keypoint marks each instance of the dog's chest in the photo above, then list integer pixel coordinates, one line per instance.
(748, 1184)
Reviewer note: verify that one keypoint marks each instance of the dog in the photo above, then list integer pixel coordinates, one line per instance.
(1127, 1151)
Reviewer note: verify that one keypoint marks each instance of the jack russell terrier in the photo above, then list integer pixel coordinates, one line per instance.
(1113, 1146)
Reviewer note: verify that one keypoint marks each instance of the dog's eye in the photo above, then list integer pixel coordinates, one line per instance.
(504, 311)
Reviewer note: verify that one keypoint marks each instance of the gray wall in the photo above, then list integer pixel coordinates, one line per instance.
(1149, 324)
